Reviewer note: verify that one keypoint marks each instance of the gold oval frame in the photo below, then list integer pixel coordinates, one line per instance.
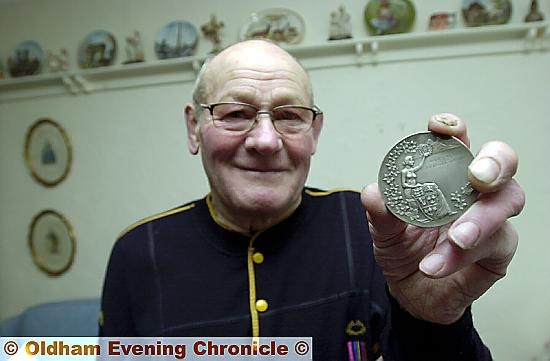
(32, 163)
(39, 259)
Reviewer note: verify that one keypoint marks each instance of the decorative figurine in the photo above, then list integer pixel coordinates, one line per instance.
(534, 13)
(134, 50)
(58, 61)
(212, 31)
(340, 27)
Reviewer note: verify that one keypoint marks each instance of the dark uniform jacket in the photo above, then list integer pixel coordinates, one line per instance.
(182, 274)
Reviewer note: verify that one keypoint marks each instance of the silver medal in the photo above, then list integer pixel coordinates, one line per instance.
(424, 179)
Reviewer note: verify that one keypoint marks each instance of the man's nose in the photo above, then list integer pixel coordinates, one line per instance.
(263, 137)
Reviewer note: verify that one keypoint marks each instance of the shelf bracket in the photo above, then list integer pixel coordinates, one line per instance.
(374, 48)
(69, 84)
(82, 83)
(359, 52)
(535, 37)
(359, 49)
(532, 33)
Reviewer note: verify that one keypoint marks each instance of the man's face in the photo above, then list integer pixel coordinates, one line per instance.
(261, 172)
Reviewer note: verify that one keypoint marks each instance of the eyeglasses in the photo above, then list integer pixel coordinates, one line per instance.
(240, 117)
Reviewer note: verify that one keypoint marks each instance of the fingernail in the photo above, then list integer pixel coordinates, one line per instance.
(432, 264)
(465, 235)
(447, 119)
(485, 169)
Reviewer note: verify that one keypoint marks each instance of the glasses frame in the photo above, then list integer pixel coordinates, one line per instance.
(315, 110)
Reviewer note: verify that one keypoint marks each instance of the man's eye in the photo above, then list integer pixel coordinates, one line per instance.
(289, 115)
(238, 114)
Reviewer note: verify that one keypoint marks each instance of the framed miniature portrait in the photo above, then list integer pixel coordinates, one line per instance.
(48, 152)
(52, 242)
(442, 21)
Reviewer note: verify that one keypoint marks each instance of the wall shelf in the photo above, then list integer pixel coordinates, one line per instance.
(371, 50)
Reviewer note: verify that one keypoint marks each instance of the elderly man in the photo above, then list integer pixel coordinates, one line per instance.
(263, 255)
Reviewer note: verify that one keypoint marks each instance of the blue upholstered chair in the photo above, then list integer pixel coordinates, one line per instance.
(63, 318)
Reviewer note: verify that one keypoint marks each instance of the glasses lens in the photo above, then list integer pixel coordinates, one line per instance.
(292, 119)
(233, 117)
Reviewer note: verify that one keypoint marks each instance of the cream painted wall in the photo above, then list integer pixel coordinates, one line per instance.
(131, 160)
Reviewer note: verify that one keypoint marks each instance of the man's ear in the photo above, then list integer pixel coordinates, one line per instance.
(317, 126)
(192, 123)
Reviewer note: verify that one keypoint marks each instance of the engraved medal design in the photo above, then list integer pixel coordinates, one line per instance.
(424, 179)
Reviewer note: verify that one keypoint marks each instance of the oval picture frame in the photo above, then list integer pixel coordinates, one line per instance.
(52, 242)
(48, 152)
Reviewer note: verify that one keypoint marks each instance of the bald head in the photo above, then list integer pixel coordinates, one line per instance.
(253, 56)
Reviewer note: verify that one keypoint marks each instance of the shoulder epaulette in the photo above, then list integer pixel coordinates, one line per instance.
(156, 216)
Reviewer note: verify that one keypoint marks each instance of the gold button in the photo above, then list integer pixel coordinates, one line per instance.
(258, 257)
(261, 305)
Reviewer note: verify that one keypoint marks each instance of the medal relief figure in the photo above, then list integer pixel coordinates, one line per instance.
(425, 197)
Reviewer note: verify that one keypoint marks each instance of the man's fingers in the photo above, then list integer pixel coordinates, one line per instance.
(496, 162)
(494, 166)
(482, 235)
(492, 254)
(487, 215)
(449, 124)
(383, 225)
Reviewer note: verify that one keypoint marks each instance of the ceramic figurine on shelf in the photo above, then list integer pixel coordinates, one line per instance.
(212, 30)
(58, 61)
(134, 50)
(340, 27)
(534, 13)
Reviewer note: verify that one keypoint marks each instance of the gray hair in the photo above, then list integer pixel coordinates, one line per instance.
(200, 93)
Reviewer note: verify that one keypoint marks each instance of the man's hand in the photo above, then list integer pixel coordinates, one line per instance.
(436, 273)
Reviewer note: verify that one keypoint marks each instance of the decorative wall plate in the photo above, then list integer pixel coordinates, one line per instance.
(98, 49)
(48, 152)
(279, 25)
(176, 40)
(26, 59)
(389, 16)
(52, 242)
(486, 12)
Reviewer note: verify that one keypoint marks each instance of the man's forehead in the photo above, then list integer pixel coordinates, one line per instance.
(255, 55)
(257, 49)
(255, 59)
